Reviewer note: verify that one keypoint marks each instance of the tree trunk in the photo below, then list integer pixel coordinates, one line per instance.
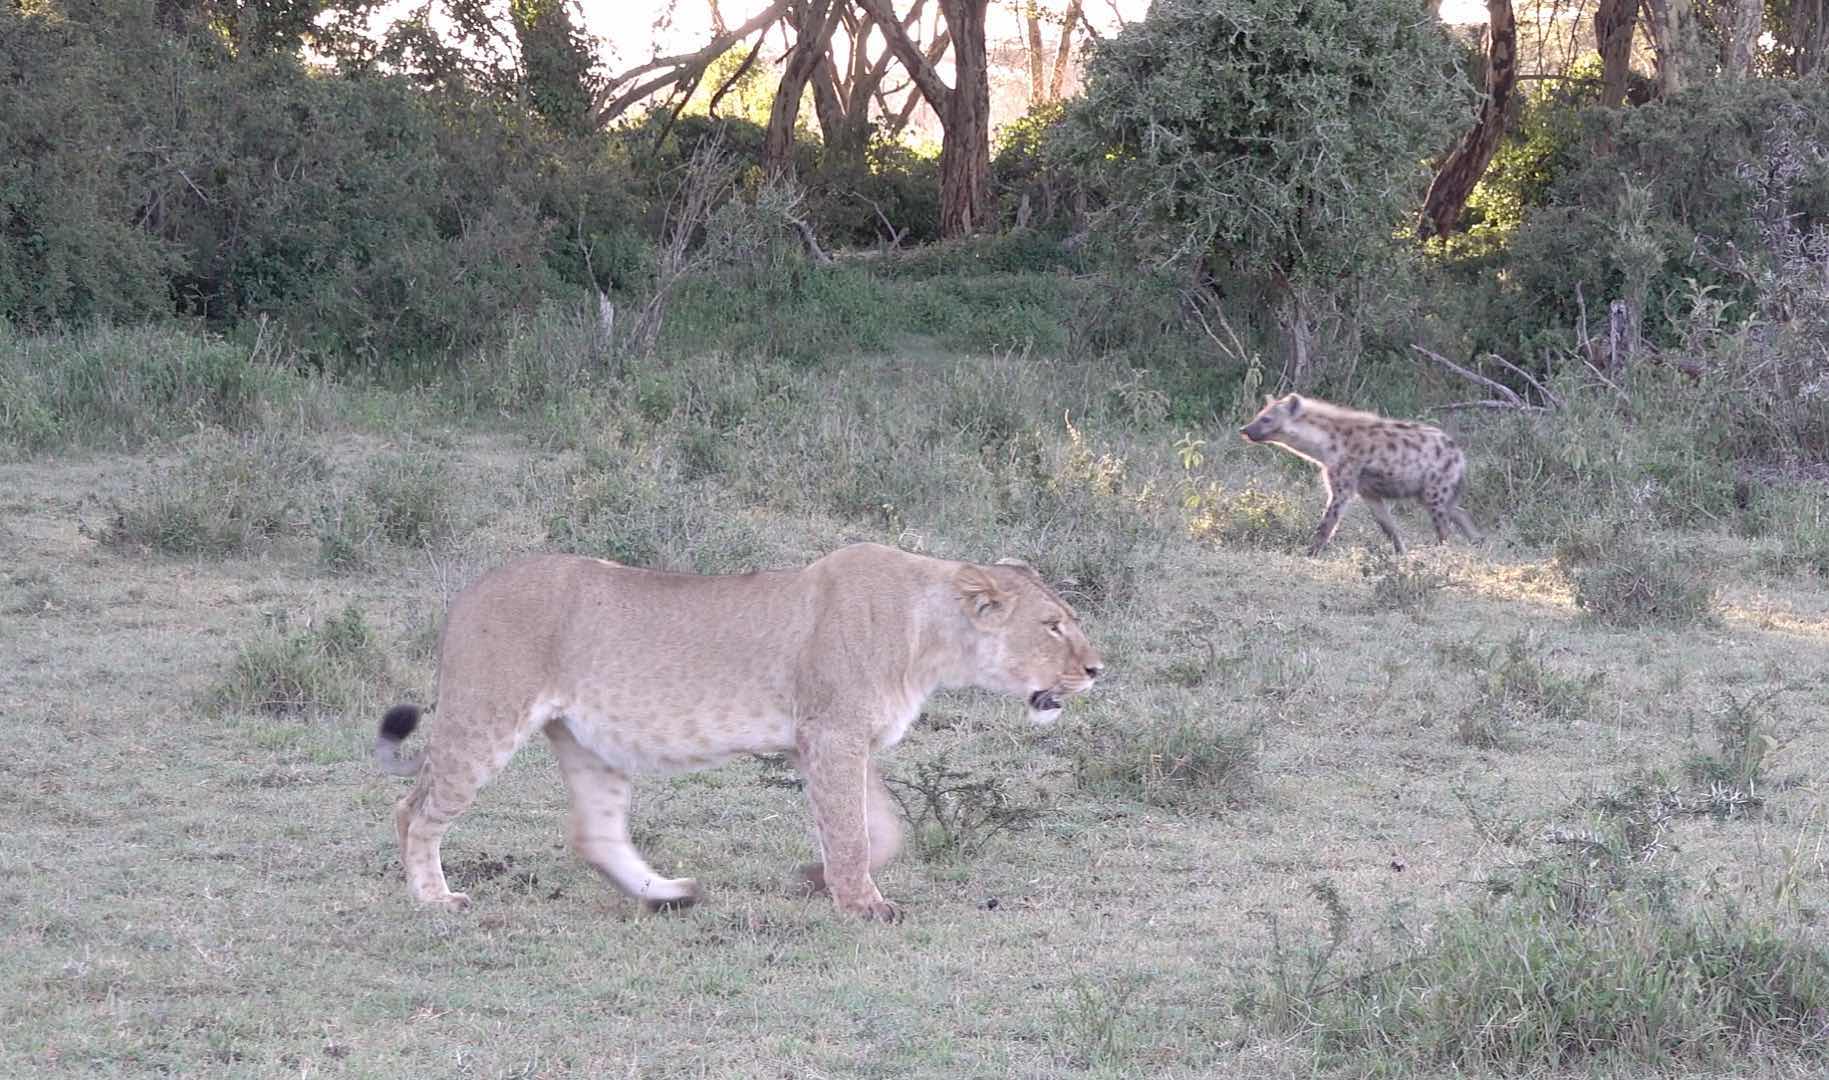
(1061, 54)
(1678, 46)
(814, 22)
(1467, 162)
(1805, 34)
(965, 145)
(1739, 34)
(964, 108)
(1038, 87)
(1614, 22)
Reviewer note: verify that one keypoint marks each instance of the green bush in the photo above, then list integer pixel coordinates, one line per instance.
(225, 494)
(327, 667)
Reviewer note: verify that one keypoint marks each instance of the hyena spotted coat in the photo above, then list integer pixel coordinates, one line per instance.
(1364, 454)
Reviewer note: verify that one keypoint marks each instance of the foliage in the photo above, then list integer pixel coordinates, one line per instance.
(225, 494)
(1283, 139)
(327, 666)
(952, 813)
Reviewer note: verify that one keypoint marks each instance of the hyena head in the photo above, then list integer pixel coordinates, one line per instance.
(1272, 419)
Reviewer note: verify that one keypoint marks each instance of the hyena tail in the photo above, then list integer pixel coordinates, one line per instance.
(396, 725)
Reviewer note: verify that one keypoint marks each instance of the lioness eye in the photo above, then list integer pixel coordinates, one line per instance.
(1055, 629)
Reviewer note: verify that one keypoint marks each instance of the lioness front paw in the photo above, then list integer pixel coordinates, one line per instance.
(875, 910)
(451, 901)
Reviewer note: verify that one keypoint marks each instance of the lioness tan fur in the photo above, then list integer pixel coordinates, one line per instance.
(636, 671)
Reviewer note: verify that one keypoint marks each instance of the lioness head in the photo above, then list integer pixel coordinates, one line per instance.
(1275, 414)
(1029, 640)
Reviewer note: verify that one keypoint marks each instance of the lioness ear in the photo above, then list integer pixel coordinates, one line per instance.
(980, 592)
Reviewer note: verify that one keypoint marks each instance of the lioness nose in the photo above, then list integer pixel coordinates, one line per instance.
(1094, 671)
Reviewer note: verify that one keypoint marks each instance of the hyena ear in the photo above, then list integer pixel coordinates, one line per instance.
(983, 598)
(1295, 404)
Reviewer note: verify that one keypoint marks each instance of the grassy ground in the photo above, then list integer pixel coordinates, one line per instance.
(199, 873)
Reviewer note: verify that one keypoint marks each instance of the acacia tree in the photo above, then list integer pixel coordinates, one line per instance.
(1467, 162)
(1614, 22)
(964, 107)
(813, 23)
(1045, 88)
(1276, 140)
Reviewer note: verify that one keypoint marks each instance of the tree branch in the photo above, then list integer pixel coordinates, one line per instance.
(685, 67)
(921, 69)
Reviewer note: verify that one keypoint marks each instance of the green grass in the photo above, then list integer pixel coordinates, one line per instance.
(200, 873)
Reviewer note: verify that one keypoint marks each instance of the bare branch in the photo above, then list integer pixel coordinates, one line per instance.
(676, 69)
(1547, 395)
(1511, 396)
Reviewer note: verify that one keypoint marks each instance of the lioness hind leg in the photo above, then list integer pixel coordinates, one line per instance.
(883, 823)
(421, 820)
(599, 825)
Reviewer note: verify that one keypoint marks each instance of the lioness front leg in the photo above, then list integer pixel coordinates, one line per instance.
(883, 824)
(838, 778)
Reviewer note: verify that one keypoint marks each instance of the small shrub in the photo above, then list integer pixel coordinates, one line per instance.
(323, 668)
(1630, 583)
(228, 493)
(1400, 584)
(953, 814)
(1512, 984)
(1246, 517)
(126, 387)
(1746, 736)
(1514, 691)
(1172, 762)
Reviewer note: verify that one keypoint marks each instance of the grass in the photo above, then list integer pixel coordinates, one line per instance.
(200, 873)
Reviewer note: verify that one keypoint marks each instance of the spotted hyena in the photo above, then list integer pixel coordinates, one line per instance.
(1364, 454)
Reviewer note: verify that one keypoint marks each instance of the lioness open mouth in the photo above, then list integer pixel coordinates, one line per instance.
(1044, 701)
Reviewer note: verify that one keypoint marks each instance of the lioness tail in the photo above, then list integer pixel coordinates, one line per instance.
(396, 725)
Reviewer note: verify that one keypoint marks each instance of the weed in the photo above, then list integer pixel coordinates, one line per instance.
(1517, 981)
(953, 814)
(323, 668)
(226, 494)
(1746, 735)
(1400, 584)
(1515, 690)
(1171, 762)
(1098, 1019)
(1622, 580)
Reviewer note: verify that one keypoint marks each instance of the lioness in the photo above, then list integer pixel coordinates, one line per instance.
(630, 670)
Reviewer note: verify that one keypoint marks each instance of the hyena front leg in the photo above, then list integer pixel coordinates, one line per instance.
(1340, 492)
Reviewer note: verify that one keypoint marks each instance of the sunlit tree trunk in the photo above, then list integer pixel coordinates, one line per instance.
(1467, 162)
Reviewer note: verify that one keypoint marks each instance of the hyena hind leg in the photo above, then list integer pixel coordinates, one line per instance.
(1381, 513)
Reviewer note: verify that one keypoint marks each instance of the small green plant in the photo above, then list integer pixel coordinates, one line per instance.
(1515, 690)
(404, 499)
(1622, 580)
(1098, 1019)
(1523, 980)
(1172, 762)
(228, 493)
(326, 667)
(953, 814)
(1400, 584)
(1746, 733)
(1247, 517)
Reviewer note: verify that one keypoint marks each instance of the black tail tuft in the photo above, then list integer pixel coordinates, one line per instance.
(399, 723)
